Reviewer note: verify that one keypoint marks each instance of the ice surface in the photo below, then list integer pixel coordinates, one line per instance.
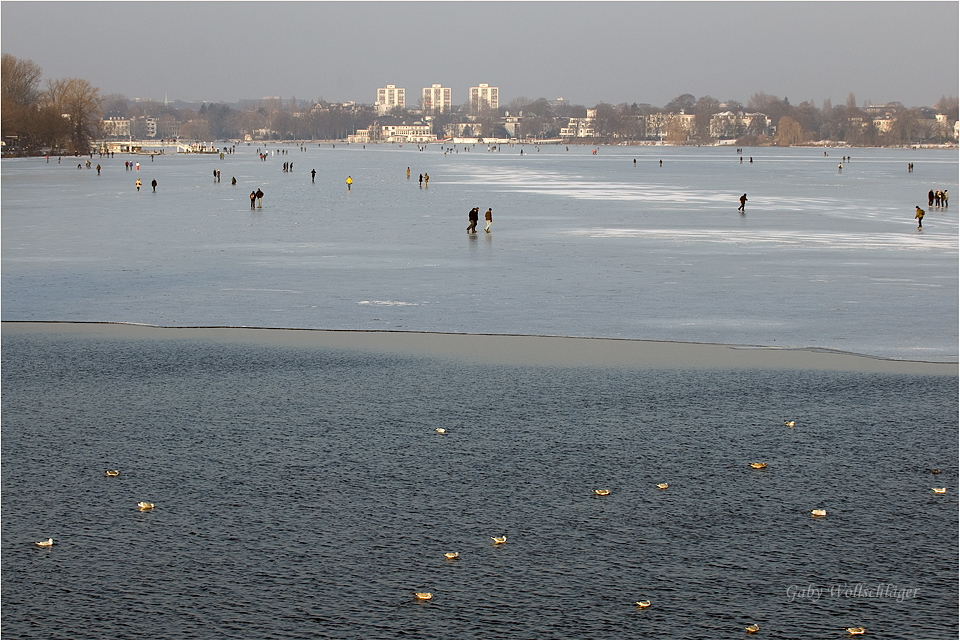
(581, 244)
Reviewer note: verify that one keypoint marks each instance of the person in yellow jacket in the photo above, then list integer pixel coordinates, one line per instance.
(138, 184)
(919, 217)
(349, 182)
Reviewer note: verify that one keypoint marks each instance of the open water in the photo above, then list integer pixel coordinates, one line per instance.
(304, 493)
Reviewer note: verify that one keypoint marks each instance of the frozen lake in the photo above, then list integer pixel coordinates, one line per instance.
(582, 244)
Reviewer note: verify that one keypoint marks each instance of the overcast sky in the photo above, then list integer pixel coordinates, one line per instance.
(586, 52)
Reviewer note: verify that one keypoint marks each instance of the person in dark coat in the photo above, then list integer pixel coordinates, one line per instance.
(473, 217)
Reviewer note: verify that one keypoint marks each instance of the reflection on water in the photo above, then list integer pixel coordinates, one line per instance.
(306, 493)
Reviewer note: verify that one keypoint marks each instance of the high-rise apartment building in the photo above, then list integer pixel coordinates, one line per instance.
(389, 97)
(484, 96)
(437, 99)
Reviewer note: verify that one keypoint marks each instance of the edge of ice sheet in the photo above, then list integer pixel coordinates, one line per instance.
(509, 349)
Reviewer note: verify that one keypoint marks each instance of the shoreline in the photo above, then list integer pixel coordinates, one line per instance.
(507, 349)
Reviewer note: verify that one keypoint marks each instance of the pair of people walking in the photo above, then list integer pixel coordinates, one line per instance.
(474, 217)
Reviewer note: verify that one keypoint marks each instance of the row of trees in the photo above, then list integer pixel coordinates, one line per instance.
(63, 114)
(66, 114)
(794, 124)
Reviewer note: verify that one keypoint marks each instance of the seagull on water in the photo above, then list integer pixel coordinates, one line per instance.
(758, 466)
(857, 630)
(113, 472)
(663, 486)
(818, 512)
(45, 544)
(143, 505)
(440, 430)
(753, 627)
(452, 555)
(643, 604)
(939, 490)
(601, 492)
(423, 596)
(499, 539)
(789, 423)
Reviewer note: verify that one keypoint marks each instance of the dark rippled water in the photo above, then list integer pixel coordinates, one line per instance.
(305, 493)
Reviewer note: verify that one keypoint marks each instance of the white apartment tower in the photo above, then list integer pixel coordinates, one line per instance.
(484, 95)
(389, 97)
(437, 99)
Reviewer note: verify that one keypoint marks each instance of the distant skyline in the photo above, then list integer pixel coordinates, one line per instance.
(585, 52)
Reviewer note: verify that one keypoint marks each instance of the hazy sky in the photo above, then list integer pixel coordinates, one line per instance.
(586, 52)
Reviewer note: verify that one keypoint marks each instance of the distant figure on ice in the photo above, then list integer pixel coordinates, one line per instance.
(919, 217)
(253, 200)
(153, 183)
(138, 184)
(259, 198)
(349, 183)
(743, 202)
(489, 217)
(930, 198)
(313, 175)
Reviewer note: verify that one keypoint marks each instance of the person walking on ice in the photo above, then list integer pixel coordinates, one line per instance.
(489, 217)
(349, 183)
(919, 217)
(138, 184)
(743, 202)
(472, 217)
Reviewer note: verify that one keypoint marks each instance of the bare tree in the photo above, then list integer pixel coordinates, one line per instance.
(789, 132)
(704, 109)
(83, 106)
(684, 102)
(19, 117)
(20, 81)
